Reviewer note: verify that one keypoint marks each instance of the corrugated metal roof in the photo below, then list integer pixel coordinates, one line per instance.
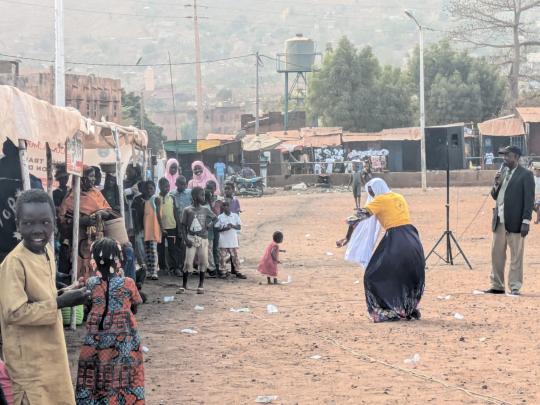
(293, 134)
(221, 137)
(203, 144)
(392, 134)
(509, 126)
(529, 114)
(184, 147)
(252, 143)
(320, 131)
(321, 141)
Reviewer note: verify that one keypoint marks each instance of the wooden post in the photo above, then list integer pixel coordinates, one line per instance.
(25, 173)
(48, 155)
(75, 239)
(119, 178)
(144, 164)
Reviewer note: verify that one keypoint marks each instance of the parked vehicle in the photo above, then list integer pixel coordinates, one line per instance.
(253, 187)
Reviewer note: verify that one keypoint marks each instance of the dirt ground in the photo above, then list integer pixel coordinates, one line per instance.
(235, 357)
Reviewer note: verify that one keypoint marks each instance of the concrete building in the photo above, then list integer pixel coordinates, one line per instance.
(95, 97)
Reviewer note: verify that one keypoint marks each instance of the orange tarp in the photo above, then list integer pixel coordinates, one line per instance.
(502, 127)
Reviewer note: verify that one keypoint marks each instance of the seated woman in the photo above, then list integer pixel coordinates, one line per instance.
(395, 273)
(94, 209)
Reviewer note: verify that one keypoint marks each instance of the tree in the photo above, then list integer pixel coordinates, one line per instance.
(352, 91)
(501, 25)
(131, 115)
(458, 87)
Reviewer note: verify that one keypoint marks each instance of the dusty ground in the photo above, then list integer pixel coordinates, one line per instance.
(235, 357)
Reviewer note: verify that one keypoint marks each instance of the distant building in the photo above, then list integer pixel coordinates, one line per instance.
(223, 119)
(95, 97)
(273, 121)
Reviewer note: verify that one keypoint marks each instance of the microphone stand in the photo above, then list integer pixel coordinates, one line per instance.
(448, 235)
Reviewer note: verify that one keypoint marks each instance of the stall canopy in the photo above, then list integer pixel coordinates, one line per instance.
(392, 134)
(190, 146)
(223, 138)
(253, 143)
(529, 114)
(505, 126)
(23, 117)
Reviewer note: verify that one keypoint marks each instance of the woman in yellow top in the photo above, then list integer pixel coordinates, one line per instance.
(395, 273)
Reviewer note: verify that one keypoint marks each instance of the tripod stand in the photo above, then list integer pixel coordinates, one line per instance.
(448, 235)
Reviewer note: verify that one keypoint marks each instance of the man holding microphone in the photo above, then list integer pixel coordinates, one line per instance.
(513, 192)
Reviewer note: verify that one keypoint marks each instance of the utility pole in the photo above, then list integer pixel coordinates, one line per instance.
(257, 62)
(422, 103)
(174, 108)
(59, 63)
(198, 74)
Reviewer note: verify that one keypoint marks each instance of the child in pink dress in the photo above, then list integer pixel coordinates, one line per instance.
(270, 260)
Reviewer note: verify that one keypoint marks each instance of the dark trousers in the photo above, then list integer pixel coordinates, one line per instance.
(215, 250)
(169, 251)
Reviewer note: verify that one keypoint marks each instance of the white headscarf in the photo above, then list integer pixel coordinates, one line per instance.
(362, 243)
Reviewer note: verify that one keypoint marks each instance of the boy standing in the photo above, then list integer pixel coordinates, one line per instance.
(356, 181)
(228, 224)
(168, 252)
(34, 347)
(182, 200)
(234, 203)
(196, 220)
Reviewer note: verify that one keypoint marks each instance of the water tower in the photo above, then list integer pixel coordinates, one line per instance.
(298, 60)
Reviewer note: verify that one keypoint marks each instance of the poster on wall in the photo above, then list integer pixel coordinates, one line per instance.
(37, 158)
(74, 155)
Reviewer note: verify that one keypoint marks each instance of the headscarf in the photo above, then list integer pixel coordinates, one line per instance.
(203, 178)
(169, 176)
(362, 243)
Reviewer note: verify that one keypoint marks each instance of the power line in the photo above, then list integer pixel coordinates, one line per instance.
(80, 10)
(127, 64)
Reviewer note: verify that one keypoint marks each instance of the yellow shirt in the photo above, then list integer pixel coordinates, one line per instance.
(391, 210)
(167, 212)
(34, 345)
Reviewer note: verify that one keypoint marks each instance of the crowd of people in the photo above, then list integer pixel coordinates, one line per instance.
(177, 228)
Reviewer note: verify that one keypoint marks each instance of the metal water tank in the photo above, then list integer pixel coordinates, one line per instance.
(299, 54)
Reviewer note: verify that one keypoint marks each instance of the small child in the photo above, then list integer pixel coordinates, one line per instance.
(196, 220)
(228, 224)
(234, 203)
(111, 368)
(152, 227)
(356, 181)
(270, 260)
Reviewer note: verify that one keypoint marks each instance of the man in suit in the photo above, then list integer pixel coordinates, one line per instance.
(513, 192)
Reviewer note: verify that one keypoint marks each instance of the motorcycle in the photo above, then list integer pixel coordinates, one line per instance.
(253, 187)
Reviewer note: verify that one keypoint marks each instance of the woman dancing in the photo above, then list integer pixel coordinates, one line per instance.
(395, 272)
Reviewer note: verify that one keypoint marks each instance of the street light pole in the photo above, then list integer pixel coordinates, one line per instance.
(59, 64)
(422, 104)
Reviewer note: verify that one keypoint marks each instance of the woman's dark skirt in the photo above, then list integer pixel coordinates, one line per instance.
(395, 276)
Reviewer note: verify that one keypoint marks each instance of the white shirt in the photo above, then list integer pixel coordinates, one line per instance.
(228, 239)
(537, 186)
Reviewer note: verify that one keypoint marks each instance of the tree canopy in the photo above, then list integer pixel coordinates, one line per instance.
(131, 114)
(354, 91)
(458, 87)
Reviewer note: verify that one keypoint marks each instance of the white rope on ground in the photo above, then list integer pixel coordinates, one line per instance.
(367, 358)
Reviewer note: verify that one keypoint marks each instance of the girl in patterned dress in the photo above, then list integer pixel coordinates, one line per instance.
(111, 368)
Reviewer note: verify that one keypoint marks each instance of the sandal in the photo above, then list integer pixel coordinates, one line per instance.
(222, 274)
(181, 290)
(200, 290)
